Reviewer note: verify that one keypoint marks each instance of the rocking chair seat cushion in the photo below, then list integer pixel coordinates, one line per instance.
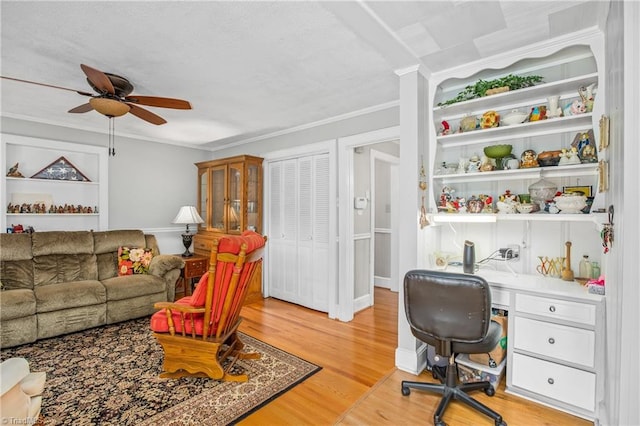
(159, 322)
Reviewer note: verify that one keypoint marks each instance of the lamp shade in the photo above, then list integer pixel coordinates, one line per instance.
(187, 215)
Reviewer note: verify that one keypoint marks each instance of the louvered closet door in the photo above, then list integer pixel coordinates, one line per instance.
(299, 231)
(282, 232)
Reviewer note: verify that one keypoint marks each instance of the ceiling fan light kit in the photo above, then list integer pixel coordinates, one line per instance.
(109, 107)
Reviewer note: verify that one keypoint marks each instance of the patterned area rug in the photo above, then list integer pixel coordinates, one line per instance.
(109, 376)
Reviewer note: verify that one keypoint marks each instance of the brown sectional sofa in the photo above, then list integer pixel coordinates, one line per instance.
(60, 282)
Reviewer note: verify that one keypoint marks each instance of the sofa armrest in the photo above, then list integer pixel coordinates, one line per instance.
(163, 263)
(167, 267)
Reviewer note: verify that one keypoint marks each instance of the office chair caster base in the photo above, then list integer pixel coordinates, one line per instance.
(501, 423)
(490, 391)
(405, 391)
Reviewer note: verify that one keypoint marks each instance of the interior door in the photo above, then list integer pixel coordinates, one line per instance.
(298, 226)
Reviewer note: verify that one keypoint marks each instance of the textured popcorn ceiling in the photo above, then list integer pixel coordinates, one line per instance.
(253, 68)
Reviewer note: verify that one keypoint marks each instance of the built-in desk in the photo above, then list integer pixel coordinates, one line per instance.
(556, 340)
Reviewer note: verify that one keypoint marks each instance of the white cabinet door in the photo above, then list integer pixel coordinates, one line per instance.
(298, 228)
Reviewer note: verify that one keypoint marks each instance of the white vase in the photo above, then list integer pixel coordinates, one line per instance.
(554, 110)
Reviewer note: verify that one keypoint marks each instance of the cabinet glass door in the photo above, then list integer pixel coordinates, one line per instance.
(234, 208)
(218, 201)
(253, 197)
(203, 198)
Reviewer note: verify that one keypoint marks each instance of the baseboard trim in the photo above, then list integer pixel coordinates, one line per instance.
(412, 361)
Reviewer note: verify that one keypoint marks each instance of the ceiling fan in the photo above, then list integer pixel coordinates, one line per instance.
(114, 98)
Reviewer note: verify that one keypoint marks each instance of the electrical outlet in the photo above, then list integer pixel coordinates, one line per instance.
(511, 252)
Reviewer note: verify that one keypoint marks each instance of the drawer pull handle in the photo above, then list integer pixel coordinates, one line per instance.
(551, 340)
(550, 380)
(552, 308)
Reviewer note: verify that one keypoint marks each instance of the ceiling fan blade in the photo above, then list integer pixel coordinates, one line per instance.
(81, 108)
(47, 85)
(155, 101)
(99, 79)
(146, 115)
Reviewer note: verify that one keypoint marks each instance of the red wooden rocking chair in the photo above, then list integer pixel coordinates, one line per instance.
(198, 333)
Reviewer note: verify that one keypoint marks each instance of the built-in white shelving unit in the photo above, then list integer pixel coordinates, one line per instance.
(32, 155)
(540, 320)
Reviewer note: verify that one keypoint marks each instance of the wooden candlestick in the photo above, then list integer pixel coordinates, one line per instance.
(567, 273)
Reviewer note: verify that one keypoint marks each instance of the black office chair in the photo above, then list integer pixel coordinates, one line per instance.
(451, 312)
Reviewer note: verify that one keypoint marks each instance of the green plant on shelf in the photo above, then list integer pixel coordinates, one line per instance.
(480, 88)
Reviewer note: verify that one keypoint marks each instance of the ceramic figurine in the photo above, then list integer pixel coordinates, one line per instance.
(444, 128)
(486, 165)
(587, 96)
(568, 157)
(529, 159)
(474, 164)
(574, 108)
(475, 205)
(488, 203)
(588, 154)
(538, 113)
(468, 124)
(490, 119)
(13, 171)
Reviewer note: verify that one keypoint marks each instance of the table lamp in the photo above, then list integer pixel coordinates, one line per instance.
(187, 215)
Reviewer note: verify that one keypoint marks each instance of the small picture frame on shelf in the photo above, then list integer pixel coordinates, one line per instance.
(61, 169)
(582, 190)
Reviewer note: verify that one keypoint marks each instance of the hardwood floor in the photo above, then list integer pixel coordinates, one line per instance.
(359, 384)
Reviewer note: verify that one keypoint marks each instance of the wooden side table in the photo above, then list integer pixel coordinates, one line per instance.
(194, 268)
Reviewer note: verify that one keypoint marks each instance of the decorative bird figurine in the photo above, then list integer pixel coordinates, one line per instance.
(538, 113)
(13, 171)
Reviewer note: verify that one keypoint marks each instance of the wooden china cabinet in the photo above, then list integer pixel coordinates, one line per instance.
(230, 202)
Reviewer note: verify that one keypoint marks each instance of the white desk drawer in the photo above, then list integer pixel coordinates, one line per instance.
(556, 308)
(554, 340)
(499, 297)
(566, 384)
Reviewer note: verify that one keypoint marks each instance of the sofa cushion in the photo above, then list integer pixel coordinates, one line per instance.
(134, 260)
(106, 245)
(129, 286)
(59, 268)
(16, 266)
(67, 295)
(15, 247)
(109, 241)
(16, 274)
(62, 242)
(17, 304)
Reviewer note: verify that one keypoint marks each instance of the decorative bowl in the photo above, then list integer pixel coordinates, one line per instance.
(507, 208)
(541, 191)
(524, 208)
(514, 117)
(549, 158)
(571, 203)
(497, 151)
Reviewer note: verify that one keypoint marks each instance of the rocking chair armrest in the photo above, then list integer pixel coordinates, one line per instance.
(179, 307)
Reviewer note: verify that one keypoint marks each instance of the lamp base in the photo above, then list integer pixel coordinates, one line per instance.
(187, 238)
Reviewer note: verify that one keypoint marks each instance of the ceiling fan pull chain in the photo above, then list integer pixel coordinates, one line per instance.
(112, 137)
